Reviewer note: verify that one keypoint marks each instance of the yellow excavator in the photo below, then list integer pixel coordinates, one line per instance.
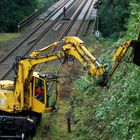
(23, 101)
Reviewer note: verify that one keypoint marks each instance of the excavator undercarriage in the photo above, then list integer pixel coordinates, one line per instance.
(18, 126)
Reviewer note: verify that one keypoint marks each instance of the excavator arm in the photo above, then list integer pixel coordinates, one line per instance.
(21, 109)
(119, 54)
(73, 46)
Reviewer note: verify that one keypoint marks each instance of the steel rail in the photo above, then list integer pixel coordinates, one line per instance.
(27, 21)
(87, 21)
(80, 25)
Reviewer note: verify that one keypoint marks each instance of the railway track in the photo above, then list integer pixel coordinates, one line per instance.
(84, 24)
(88, 18)
(32, 33)
(27, 21)
(66, 31)
(83, 19)
(63, 33)
(19, 51)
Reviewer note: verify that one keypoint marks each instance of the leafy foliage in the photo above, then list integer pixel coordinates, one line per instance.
(134, 21)
(13, 11)
(114, 112)
(85, 84)
(113, 15)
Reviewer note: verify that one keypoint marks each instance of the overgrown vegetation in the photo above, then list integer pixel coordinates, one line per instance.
(46, 2)
(112, 113)
(4, 37)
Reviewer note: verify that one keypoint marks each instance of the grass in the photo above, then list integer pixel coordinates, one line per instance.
(53, 125)
(4, 37)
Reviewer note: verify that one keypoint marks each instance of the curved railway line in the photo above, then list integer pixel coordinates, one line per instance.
(66, 31)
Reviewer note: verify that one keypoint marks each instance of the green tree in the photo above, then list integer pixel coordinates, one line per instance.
(13, 11)
(113, 15)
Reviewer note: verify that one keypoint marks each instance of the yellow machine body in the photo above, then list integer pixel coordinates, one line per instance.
(6, 95)
(10, 104)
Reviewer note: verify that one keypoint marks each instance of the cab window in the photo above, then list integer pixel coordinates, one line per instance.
(39, 89)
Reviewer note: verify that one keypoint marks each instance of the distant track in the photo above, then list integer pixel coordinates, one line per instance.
(27, 21)
(91, 3)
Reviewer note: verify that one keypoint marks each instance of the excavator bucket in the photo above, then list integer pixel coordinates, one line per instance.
(136, 58)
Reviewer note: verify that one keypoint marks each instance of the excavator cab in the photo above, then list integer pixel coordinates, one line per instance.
(44, 94)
